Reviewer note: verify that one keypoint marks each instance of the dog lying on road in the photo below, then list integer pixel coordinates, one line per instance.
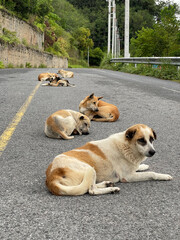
(58, 82)
(98, 110)
(96, 166)
(47, 76)
(67, 74)
(63, 123)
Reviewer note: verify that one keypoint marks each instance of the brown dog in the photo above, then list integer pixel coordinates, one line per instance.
(98, 110)
(67, 74)
(96, 166)
(47, 76)
(63, 123)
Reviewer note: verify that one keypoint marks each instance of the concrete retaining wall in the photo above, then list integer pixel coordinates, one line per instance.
(21, 55)
(24, 31)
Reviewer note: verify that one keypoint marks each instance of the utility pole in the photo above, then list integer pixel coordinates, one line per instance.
(109, 26)
(113, 27)
(126, 37)
(113, 38)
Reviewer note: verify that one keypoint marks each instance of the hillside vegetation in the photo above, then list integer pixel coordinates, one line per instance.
(73, 27)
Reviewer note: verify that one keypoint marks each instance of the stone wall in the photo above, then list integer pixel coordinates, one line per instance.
(24, 31)
(21, 55)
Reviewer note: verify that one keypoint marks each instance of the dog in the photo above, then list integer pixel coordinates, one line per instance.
(47, 76)
(96, 166)
(98, 110)
(63, 123)
(58, 82)
(67, 74)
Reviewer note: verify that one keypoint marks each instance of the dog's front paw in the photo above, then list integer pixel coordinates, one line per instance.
(143, 167)
(163, 177)
(109, 184)
(115, 190)
(167, 177)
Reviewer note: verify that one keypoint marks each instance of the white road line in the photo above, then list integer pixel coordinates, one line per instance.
(171, 89)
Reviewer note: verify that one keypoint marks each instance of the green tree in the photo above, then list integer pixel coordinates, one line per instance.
(161, 40)
(70, 18)
(83, 40)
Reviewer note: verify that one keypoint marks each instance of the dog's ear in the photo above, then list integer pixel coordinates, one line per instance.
(130, 133)
(155, 136)
(91, 96)
(100, 98)
(81, 118)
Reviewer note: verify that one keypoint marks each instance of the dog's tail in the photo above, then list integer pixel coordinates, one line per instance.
(57, 187)
(112, 118)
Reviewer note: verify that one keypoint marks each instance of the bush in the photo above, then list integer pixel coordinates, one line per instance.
(95, 57)
(28, 65)
(42, 65)
(9, 37)
(1, 65)
(164, 71)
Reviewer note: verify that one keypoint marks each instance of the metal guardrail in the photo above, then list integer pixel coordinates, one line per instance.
(149, 60)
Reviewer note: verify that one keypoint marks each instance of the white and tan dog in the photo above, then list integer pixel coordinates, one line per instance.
(98, 110)
(67, 74)
(47, 76)
(63, 123)
(58, 83)
(94, 167)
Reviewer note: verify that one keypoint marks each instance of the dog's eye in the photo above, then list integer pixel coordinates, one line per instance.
(142, 141)
(94, 102)
(85, 124)
(151, 139)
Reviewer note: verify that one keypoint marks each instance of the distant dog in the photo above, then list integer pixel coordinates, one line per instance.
(98, 110)
(67, 74)
(58, 82)
(47, 76)
(63, 123)
(96, 166)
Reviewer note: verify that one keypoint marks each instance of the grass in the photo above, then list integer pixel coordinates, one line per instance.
(75, 66)
(164, 71)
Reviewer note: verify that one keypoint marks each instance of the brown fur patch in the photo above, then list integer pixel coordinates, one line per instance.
(62, 113)
(82, 156)
(95, 149)
(58, 174)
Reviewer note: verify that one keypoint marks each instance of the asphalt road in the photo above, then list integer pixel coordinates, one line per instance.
(143, 210)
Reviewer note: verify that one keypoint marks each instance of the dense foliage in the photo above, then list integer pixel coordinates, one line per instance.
(161, 40)
(73, 28)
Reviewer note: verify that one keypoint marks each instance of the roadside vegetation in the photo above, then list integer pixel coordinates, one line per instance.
(78, 29)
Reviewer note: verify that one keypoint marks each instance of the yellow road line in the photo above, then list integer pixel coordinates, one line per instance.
(7, 134)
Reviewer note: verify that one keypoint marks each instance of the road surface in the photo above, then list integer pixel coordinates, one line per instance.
(143, 210)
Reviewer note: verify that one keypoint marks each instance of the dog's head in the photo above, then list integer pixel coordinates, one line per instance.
(91, 102)
(141, 137)
(61, 71)
(83, 124)
(51, 77)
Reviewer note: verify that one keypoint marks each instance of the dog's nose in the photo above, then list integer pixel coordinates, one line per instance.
(96, 110)
(152, 152)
